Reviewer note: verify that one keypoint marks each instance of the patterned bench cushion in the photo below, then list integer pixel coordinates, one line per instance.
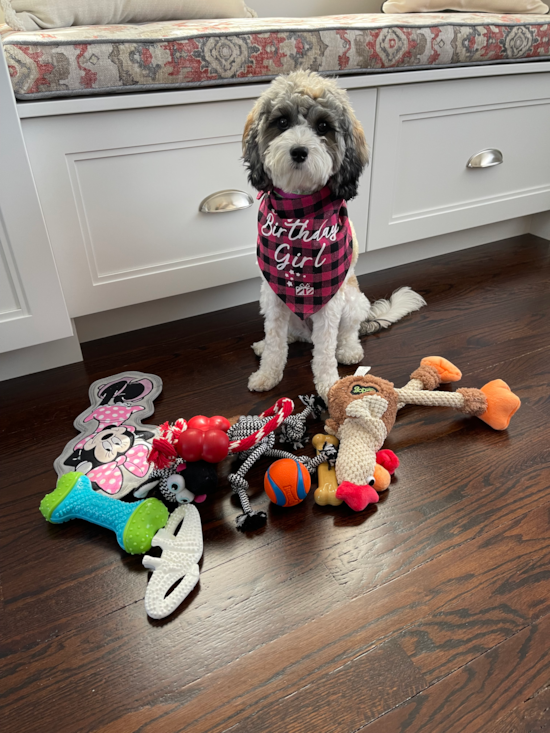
(181, 54)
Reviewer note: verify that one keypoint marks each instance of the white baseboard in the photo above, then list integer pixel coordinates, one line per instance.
(423, 249)
(164, 310)
(121, 320)
(38, 358)
(540, 225)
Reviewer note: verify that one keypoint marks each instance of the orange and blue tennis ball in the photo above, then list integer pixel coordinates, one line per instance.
(287, 482)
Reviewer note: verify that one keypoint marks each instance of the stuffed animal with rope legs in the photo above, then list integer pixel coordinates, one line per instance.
(363, 409)
(386, 461)
(254, 437)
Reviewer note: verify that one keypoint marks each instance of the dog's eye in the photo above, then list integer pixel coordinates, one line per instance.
(323, 127)
(283, 123)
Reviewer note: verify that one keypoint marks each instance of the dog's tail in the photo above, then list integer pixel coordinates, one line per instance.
(385, 312)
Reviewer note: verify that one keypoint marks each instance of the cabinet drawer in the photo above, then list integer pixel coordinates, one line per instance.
(121, 193)
(425, 136)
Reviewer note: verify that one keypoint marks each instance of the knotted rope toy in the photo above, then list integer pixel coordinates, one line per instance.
(253, 436)
(363, 409)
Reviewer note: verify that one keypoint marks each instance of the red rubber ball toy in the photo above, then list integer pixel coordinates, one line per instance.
(215, 446)
(190, 444)
(220, 423)
(205, 439)
(200, 422)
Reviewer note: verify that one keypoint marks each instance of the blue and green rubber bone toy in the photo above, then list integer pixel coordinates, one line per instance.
(134, 523)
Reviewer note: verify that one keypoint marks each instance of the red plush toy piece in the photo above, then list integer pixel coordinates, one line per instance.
(205, 439)
(357, 497)
(388, 460)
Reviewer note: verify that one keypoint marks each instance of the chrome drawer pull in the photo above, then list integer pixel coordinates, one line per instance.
(222, 201)
(485, 159)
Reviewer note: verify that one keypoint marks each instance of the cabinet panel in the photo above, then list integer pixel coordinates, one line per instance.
(136, 221)
(11, 290)
(32, 308)
(427, 133)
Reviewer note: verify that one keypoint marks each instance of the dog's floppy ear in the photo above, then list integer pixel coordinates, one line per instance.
(257, 175)
(345, 181)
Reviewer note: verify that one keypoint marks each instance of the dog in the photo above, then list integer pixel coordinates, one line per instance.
(305, 150)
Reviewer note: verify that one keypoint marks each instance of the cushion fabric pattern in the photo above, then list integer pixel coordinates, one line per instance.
(125, 58)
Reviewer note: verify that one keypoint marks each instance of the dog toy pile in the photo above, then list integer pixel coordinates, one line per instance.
(363, 409)
(250, 438)
(115, 454)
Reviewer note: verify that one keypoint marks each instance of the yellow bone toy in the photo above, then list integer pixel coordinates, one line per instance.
(328, 485)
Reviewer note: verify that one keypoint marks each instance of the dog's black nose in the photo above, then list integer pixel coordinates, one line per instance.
(298, 155)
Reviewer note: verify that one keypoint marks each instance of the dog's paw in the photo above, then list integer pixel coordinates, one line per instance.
(350, 354)
(323, 387)
(258, 347)
(262, 381)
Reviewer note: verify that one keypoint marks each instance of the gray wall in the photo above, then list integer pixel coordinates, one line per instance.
(297, 8)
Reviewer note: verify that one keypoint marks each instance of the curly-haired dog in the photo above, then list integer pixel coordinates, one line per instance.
(305, 149)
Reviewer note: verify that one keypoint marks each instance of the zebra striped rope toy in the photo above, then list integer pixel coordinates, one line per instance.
(253, 436)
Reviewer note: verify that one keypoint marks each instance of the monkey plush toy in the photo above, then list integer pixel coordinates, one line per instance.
(363, 409)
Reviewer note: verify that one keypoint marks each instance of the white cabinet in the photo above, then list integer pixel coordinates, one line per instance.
(425, 136)
(32, 308)
(121, 193)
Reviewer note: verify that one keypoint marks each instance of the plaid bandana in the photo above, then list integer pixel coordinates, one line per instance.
(304, 247)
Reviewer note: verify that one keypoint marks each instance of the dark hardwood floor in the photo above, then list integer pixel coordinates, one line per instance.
(427, 612)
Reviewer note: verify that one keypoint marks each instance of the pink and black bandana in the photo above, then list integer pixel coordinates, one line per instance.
(304, 247)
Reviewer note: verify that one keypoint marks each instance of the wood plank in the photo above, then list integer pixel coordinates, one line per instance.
(472, 625)
(352, 695)
(531, 716)
(469, 700)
